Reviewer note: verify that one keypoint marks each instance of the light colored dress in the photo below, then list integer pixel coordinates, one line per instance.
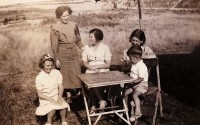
(64, 41)
(49, 83)
(96, 56)
(140, 70)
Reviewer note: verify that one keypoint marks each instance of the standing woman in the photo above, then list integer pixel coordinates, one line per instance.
(65, 38)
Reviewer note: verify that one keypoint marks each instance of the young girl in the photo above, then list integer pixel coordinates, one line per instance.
(65, 38)
(139, 73)
(50, 90)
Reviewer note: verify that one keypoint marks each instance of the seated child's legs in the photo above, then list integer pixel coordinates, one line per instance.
(50, 116)
(136, 99)
(63, 114)
(127, 92)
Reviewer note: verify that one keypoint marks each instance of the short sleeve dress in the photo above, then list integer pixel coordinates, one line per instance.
(49, 83)
(96, 57)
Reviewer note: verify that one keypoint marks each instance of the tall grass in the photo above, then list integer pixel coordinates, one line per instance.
(21, 48)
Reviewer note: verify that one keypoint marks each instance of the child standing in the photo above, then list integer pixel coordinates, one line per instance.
(139, 73)
(50, 90)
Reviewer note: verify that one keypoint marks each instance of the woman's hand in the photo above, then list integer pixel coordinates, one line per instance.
(94, 68)
(58, 64)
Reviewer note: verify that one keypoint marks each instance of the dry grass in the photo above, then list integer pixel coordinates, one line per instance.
(21, 47)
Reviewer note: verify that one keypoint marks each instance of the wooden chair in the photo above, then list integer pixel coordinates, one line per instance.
(154, 87)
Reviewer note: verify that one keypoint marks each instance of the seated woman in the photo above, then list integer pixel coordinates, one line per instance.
(50, 90)
(138, 38)
(96, 57)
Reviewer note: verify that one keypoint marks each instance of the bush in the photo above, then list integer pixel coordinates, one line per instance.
(5, 21)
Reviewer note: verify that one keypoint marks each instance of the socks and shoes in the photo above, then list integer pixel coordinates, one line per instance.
(93, 110)
(69, 99)
(135, 116)
(102, 105)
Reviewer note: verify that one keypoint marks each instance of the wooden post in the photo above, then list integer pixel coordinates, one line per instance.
(140, 13)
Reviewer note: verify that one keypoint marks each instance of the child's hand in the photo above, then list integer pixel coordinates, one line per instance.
(60, 100)
(53, 101)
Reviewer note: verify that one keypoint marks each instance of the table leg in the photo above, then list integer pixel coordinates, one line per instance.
(86, 106)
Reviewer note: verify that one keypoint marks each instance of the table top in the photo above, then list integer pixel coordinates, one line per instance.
(104, 78)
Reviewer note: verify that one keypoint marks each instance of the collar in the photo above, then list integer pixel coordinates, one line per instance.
(51, 74)
(138, 63)
(94, 47)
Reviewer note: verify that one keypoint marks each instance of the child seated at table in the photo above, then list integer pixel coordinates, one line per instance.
(139, 73)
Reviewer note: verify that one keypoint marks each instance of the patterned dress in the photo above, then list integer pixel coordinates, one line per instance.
(64, 41)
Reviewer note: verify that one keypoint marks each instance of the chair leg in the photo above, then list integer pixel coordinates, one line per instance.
(160, 105)
(135, 122)
(156, 109)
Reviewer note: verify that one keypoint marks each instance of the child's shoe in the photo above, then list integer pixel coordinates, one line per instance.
(47, 124)
(135, 116)
(92, 111)
(102, 104)
(65, 123)
(132, 103)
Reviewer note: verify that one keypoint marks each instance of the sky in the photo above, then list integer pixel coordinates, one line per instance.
(76, 7)
(9, 2)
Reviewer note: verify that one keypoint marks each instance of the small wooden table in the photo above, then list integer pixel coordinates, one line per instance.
(91, 80)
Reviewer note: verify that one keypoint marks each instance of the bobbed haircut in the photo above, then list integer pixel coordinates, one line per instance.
(138, 34)
(45, 57)
(98, 34)
(61, 9)
(134, 50)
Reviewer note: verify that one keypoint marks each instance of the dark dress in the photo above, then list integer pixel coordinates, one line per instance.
(64, 41)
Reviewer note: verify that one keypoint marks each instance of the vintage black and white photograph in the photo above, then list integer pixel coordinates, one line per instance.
(99, 62)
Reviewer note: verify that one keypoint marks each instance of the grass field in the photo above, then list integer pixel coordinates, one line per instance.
(21, 46)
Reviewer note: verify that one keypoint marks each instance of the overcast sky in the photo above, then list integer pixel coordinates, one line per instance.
(9, 2)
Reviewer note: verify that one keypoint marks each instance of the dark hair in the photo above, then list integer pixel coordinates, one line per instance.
(46, 57)
(138, 34)
(98, 34)
(61, 9)
(134, 50)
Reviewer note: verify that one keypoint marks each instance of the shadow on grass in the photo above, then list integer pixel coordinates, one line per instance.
(180, 76)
